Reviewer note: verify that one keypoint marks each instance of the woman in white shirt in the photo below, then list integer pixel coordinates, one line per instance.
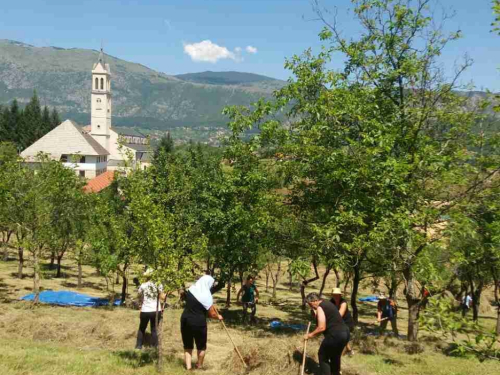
(150, 305)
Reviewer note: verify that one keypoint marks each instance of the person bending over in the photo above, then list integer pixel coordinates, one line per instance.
(335, 332)
(387, 311)
(249, 298)
(152, 297)
(341, 304)
(199, 304)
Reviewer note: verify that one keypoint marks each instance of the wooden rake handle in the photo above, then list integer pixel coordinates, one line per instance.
(304, 354)
(231, 339)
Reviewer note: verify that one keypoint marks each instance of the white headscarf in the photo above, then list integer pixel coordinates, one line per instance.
(201, 291)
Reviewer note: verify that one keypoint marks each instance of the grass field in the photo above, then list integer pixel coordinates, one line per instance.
(70, 340)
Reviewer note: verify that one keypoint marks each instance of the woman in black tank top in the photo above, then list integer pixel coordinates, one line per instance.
(335, 331)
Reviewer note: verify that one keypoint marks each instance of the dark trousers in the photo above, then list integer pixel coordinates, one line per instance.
(253, 309)
(147, 317)
(330, 352)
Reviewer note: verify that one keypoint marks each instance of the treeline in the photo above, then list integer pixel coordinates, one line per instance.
(24, 126)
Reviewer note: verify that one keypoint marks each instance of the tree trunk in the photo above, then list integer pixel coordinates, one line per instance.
(228, 292)
(476, 301)
(290, 281)
(117, 279)
(5, 242)
(413, 301)
(79, 274)
(305, 283)
(52, 260)
(354, 294)
(323, 282)
(20, 252)
(5, 256)
(124, 289)
(393, 288)
(347, 280)
(267, 278)
(276, 278)
(337, 278)
(159, 333)
(36, 277)
(59, 258)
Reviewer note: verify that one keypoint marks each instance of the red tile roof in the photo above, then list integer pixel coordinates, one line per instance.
(100, 182)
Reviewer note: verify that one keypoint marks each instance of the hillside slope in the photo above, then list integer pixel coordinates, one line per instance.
(142, 97)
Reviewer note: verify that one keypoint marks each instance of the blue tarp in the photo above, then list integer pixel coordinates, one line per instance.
(368, 299)
(67, 298)
(276, 324)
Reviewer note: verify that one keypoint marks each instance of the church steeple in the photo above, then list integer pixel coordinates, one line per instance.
(101, 101)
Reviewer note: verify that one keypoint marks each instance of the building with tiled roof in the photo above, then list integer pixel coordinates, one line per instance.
(97, 148)
(99, 183)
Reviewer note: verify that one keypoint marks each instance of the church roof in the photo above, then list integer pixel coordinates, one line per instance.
(65, 139)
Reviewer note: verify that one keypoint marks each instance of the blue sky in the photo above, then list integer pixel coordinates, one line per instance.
(167, 35)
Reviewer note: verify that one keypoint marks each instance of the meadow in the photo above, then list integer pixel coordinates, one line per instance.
(72, 340)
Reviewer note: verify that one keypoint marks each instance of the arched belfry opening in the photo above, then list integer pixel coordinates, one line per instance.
(102, 83)
(97, 83)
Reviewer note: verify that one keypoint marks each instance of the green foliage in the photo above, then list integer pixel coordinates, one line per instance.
(441, 317)
(25, 126)
(375, 154)
(496, 11)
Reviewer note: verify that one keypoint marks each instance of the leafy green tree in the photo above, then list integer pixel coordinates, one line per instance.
(379, 152)
(109, 236)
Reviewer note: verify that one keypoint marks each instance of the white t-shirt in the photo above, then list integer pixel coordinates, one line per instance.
(149, 292)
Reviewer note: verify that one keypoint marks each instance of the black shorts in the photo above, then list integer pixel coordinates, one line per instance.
(193, 334)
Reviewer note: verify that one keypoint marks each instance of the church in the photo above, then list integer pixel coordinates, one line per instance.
(97, 148)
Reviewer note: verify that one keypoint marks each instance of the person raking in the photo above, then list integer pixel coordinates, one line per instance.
(341, 304)
(151, 296)
(249, 298)
(336, 334)
(199, 304)
(387, 311)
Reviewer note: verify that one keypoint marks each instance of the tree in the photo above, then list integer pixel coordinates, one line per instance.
(166, 145)
(110, 236)
(380, 151)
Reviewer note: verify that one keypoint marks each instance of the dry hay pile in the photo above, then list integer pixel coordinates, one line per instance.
(276, 355)
(84, 328)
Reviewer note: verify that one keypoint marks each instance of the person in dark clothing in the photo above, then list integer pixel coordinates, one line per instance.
(335, 331)
(387, 311)
(249, 298)
(199, 305)
(341, 304)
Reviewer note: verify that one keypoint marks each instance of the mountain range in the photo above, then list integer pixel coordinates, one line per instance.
(142, 97)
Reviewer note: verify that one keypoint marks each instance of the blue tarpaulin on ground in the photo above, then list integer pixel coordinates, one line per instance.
(276, 324)
(368, 299)
(67, 298)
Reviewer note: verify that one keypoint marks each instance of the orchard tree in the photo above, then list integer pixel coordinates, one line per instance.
(380, 151)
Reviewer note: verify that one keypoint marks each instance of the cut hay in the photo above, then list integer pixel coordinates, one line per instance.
(277, 357)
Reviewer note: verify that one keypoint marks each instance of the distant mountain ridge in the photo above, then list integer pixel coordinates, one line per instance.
(142, 97)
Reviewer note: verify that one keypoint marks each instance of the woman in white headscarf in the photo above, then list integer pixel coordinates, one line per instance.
(199, 305)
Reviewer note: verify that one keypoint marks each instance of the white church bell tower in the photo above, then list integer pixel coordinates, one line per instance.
(100, 122)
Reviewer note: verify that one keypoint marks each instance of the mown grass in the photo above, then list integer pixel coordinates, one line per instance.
(66, 340)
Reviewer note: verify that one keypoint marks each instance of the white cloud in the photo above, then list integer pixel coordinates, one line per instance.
(206, 51)
(237, 49)
(251, 49)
